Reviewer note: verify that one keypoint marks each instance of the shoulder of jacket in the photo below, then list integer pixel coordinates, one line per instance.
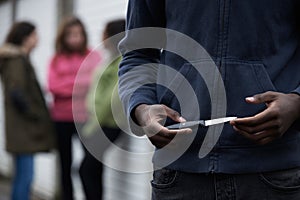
(10, 51)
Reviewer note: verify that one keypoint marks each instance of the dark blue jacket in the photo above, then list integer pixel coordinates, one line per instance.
(254, 44)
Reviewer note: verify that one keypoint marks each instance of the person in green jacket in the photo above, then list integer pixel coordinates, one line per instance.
(28, 125)
(103, 93)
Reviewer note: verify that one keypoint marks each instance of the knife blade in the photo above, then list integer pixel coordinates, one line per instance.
(204, 123)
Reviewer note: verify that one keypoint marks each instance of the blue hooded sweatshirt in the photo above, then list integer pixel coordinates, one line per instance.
(249, 47)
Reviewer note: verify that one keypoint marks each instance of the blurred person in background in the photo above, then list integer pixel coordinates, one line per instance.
(27, 121)
(71, 51)
(100, 97)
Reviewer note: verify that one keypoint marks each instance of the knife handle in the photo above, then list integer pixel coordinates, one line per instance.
(183, 125)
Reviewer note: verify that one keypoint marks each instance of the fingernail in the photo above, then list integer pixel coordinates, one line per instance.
(250, 98)
(181, 119)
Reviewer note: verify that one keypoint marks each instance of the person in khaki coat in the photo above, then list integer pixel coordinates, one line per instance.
(28, 125)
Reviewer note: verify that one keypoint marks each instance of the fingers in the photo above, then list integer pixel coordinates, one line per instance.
(254, 137)
(262, 98)
(262, 128)
(259, 128)
(155, 127)
(260, 118)
(272, 112)
(166, 132)
(174, 115)
(271, 123)
(266, 140)
(159, 141)
(179, 131)
(165, 136)
(260, 138)
(152, 117)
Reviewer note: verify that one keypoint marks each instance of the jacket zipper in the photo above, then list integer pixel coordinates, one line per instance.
(221, 47)
(222, 29)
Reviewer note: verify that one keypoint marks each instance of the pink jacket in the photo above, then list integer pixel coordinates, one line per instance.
(69, 79)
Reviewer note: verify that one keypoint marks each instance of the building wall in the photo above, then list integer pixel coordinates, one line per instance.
(5, 22)
(96, 13)
(42, 14)
(5, 16)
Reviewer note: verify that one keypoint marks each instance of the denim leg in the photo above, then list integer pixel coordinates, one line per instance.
(23, 177)
(224, 187)
(169, 184)
(175, 185)
(277, 185)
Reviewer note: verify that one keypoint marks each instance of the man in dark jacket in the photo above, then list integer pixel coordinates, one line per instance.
(249, 67)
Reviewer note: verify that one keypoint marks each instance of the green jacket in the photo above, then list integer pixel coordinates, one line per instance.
(27, 120)
(103, 101)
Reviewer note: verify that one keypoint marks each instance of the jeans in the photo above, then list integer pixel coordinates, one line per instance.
(23, 177)
(90, 170)
(175, 185)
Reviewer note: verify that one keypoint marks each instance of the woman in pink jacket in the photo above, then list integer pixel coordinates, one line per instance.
(71, 51)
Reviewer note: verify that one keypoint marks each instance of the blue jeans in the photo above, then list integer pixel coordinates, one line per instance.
(23, 177)
(175, 185)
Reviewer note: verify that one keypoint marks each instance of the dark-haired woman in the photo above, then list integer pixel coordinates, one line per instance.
(71, 51)
(27, 121)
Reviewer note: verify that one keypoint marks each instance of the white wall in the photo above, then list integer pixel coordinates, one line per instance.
(5, 16)
(43, 15)
(5, 22)
(96, 13)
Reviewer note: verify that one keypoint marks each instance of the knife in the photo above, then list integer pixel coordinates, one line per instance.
(211, 122)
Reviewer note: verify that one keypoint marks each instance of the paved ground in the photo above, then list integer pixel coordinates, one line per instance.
(4, 188)
(117, 185)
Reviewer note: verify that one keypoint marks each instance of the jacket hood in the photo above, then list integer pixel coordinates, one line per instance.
(9, 50)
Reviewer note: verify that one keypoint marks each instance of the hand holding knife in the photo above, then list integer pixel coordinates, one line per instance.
(190, 124)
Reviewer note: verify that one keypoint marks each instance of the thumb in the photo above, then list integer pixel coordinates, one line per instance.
(174, 115)
(266, 97)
